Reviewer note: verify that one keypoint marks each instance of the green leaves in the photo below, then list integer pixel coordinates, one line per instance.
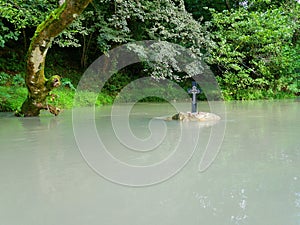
(18, 15)
(165, 20)
(255, 49)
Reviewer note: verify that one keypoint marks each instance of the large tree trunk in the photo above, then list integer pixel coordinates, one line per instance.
(38, 86)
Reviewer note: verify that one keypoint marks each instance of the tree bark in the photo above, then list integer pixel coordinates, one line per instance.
(227, 5)
(38, 86)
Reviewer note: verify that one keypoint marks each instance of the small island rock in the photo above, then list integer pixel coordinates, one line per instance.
(199, 116)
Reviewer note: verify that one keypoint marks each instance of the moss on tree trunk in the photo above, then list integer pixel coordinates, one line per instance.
(38, 86)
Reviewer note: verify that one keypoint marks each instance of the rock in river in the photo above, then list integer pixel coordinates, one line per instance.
(199, 116)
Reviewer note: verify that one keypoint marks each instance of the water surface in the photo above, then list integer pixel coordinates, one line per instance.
(254, 179)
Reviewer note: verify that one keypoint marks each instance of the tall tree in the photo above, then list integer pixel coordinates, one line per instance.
(38, 86)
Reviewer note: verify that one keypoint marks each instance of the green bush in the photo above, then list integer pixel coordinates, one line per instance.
(65, 98)
(256, 53)
(11, 98)
(4, 78)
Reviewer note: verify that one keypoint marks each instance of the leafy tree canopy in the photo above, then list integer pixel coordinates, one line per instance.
(118, 22)
(256, 50)
(109, 23)
(252, 45)
(18, 15)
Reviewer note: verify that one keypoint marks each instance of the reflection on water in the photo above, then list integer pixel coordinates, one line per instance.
(254, 179)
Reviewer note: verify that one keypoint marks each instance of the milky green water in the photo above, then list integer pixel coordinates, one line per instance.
(255, 178)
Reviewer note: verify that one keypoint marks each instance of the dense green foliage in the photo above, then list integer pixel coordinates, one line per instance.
(256, 52)
(252, 46)
(20, 18)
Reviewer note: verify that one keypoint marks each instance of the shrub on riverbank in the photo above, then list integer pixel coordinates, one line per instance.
(11, 98)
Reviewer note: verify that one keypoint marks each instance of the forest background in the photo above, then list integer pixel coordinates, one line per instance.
(252, 47)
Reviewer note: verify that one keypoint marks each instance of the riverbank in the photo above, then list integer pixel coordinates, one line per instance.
(12, 97)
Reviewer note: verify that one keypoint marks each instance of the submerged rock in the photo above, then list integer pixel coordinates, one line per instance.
(199, 116)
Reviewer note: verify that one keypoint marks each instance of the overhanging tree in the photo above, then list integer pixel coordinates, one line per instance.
(38, 86)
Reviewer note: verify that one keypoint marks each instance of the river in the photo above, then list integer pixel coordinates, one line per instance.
(52, 173)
